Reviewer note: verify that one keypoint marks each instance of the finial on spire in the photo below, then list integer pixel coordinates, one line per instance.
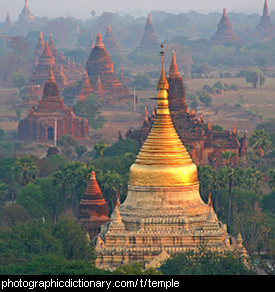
(162, 84)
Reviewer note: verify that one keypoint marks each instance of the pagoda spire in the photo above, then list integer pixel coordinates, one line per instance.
(266, 17)
(99, 42)
(173, 71)
(163, 158)
(51, 88)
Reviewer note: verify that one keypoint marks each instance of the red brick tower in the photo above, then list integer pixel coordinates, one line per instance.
(93, 210)
(100, 65)
(224, 31)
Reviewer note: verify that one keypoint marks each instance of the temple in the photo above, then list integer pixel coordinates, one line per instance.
(51, 120)
(110, 43)
(26, 15)
(93, 210)
(46, 57)
(204, 144)
(265, 30)
(163, 213)
(86, 88)
(224, 32)
(149, 39)
(100, 67)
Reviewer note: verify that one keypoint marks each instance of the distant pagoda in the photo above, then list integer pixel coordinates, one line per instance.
(100, 65)
(109, 41)
(150, 40)
(86, 88)
(163, 214)
(26, 15)
(8, 23)
(265, 30)
(45, 64)
(224, 31)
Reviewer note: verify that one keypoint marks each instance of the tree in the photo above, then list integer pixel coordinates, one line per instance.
(25, 170)
(99, 148)
(14, 214)
(141, 81)
(31, 198)
(230, 176)
(209, 182)
(204, 262)
(89, 108)
(271, 181)
(260, 142)
(76, 174)
(67, 145)
(255, 77)
(80, 150)
(20, 80)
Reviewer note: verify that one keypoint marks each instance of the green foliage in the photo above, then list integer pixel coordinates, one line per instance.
(204, 262)
(20, 80)
(31, 198)
(13, 214)
(135, 269)
(25, 170)
(2, 133)
(121, 147)
(52, 265)
(88, 108)
(30, 244)
(255, 77)
(141, 81)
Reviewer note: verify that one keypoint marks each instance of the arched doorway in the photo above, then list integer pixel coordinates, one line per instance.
(50, 134)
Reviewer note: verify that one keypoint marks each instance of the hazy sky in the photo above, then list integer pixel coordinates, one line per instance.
(82, 8)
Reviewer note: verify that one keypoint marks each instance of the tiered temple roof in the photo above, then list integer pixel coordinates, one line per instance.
(85, 87)
(51, 120)
(265, 30)
(46, 63)
(224, 32)
(150, 40)
(109, 41)
(26, 15)
(93, 210)
(100, 65)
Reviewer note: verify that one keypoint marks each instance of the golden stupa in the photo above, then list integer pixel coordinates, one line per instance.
(163, 213)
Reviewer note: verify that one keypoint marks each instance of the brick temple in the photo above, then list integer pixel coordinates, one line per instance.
(50, 120)
(110, 43)
(224, 32)
(204, 146)
(93, 210)
(100, 69)
(46, 57)
(26, 15)
(150, 40)
(265, 30)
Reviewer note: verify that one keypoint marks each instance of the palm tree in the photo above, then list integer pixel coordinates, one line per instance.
(77, 175)
(208, 178)
(25, 170)
(260, 142)
(228, 157)
(59, 178)
(271, 181)
(100, 148)
(230, 176)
